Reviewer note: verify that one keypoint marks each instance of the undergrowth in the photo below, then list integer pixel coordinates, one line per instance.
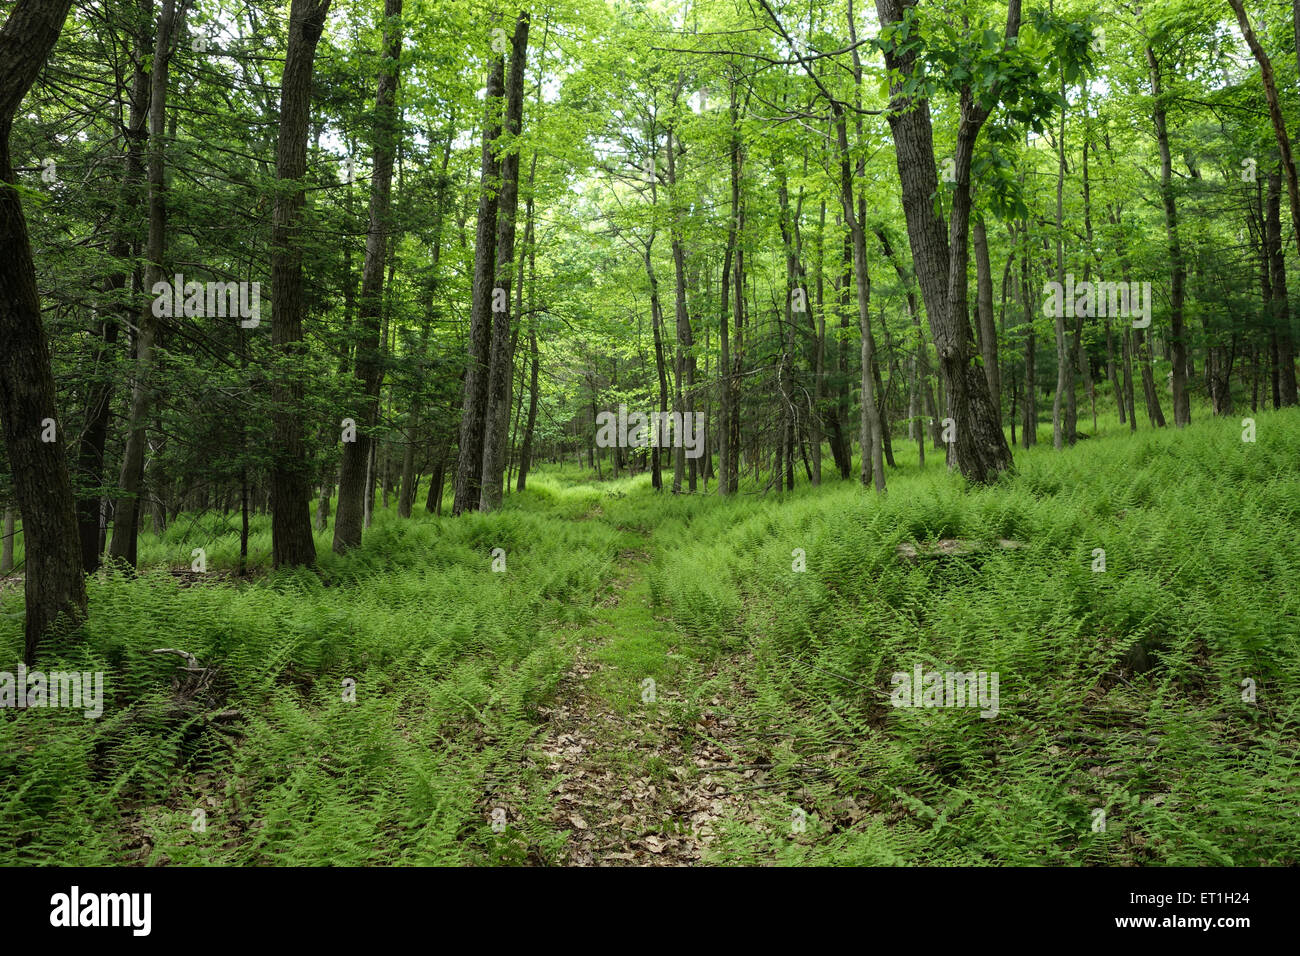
(453, 666)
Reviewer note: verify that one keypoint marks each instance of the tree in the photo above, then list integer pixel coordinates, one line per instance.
(1285, 340)
(980, 446)
(54, 588)
(469, 465)
(369, 361)
(126, 510)
(1177, 265)
(500, 368)
(291, 535)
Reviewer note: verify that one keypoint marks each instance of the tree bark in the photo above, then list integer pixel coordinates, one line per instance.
(1029, 425)
(1177, 267)
(1063, 428)
(685, 358)
(126, 510)
(726, 450)
(1279, 306)
(469, 462)
(355, 471)
(292, 543)
(7, 547)
(500, 366)
(54, 587)
(988, 336)
(98, 406)
(980, 447)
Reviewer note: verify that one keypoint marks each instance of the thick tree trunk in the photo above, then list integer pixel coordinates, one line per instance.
(291, 534)
(54, 587)
(500, 367)
(469, 461)
(940, 263)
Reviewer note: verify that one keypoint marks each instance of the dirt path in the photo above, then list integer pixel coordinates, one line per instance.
(641, 759)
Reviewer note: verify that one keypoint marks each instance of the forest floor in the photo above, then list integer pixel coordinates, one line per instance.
(672, 680)
(645, 770)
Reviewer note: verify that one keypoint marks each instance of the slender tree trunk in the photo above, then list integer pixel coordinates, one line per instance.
(818, 329)
(90, 451)
(656, 321)
(1029, 426)
(1280, 308)
(126, 511)
(1063, 428)
(685, 360)
(727, 451)
(7, 548)
(356, 469)
(873, 465)
(1177, 268)
(737, 368)
(526, 447)
(988, 336)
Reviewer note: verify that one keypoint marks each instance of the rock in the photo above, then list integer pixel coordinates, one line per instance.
(952, 547)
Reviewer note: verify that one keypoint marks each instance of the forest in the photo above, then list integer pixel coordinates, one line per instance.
(649, 433)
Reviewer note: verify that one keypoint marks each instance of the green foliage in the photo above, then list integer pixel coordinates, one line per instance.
(451, 662)
(1198, 530)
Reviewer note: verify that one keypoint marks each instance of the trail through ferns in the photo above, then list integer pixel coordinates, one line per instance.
(660, 680)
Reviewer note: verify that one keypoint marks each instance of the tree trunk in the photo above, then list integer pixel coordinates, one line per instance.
(1279, 308)
(1029, 425)
(7, 547)
(54, 587)
(500, 366)
(726, 450)
(1063, 428)
(980, 447)
(126, 511)
(656, 322)
(737, 368)
(90, 451)
(469, 461)
(873, 465)
(292, 543)
(988, 336)
(355, 471)
(526, 447)
(1177, 268)
(685, 359)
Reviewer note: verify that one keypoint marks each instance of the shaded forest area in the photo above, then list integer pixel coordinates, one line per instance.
(316, 316)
